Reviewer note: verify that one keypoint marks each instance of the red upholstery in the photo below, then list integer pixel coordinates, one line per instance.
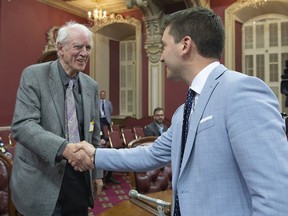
(106, 130)
(6, 205)
(115, 139)
(127, 135)
(130, 122)
(115, 127)
(138, 131)
(151, 181)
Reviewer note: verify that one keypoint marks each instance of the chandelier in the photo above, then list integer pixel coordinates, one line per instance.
(97, 16)
(253, 3)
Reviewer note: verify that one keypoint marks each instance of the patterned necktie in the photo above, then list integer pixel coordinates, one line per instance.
(71, 117)
(186, 115)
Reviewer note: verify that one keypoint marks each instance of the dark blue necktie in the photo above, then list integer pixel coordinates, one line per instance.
(186, 114)
(103, 109)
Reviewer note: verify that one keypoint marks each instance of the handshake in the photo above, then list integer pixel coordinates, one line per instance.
(80, 155)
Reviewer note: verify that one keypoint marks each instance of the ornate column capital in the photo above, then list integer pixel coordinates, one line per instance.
(153, 17)
(154, 30)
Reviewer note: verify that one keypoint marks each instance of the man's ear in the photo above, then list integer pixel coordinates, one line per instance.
(59, 48)
(186, 44)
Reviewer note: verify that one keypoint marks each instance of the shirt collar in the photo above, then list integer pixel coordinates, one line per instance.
(64, 76)
(201, 78)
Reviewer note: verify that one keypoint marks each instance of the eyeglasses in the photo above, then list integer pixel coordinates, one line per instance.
(159, 115)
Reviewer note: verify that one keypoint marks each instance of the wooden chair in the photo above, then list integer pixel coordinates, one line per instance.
(8, 141)
(115, 127)
(6, 205)
(142, 141)
(127, 135)
(5, 134)
(138, 131)
(105, 131)
(150, 181)
(115, 139)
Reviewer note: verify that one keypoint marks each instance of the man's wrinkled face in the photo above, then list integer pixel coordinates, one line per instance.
(75, 52)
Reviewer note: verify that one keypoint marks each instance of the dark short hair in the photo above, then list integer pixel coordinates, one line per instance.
(203, 26)
(157, 110)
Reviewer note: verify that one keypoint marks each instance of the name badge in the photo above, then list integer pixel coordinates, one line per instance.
(91, 127)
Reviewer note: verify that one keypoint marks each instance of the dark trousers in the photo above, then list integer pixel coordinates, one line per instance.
(74, 195)
(107, 176)
(103, 121)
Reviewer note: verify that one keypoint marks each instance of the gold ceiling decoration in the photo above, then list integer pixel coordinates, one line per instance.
(253, 3)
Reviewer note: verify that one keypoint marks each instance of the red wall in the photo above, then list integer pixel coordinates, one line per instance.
(114, 75)
(238, 46)
(23, 27)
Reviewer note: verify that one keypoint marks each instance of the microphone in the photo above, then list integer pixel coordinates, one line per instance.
(135, 194)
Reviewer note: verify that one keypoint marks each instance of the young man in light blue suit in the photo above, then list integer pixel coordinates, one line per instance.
(235, 160)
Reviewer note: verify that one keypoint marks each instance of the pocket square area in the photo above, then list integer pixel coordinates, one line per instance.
(206, 119)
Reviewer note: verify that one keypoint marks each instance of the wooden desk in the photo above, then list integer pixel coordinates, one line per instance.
(127, 208)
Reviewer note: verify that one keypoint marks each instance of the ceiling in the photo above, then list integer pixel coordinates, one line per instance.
(113, 31)
(81, 7)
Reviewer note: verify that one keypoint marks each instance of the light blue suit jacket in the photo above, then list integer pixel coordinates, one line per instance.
(236, 156)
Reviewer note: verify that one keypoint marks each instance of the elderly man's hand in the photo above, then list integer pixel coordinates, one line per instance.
(80, 155)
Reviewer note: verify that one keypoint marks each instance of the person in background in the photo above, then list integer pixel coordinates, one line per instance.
(43, 182)
(227, 143)
(157, 127)
(106, 110)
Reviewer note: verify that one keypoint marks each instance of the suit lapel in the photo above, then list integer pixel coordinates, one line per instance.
(195, 118)
(156, 129)
(86, 96)
(57, 93)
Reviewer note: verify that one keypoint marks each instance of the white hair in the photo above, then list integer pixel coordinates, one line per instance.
(65, 29)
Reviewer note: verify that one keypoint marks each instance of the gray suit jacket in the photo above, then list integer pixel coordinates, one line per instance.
(39, 128)
(236, 156)
(108, 109)
(153, 130)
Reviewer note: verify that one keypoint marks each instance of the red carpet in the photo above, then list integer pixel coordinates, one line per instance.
(113, 195)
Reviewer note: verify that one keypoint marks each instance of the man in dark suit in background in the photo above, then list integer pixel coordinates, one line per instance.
(157, 127)
(42, 182)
